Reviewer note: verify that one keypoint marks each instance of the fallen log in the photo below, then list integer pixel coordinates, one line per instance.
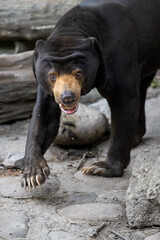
(17, 86)
(31, 19)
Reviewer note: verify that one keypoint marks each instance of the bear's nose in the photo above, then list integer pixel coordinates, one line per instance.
(68, 97)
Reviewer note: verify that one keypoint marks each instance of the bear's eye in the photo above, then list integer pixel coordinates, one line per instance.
(78, 74)
(52, 76)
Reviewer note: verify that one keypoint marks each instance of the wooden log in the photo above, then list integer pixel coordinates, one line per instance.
(31, 19)
(17, 86)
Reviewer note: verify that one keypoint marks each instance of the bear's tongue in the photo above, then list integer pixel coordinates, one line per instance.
(69, 110)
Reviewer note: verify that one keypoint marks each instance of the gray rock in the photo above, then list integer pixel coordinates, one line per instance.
(92, 211)
(11, 188)
(84, 127)
(13, 224)
(153, 237)
(14, 160)
(143, 194)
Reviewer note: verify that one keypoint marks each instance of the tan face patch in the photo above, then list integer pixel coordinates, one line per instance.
(68, 82)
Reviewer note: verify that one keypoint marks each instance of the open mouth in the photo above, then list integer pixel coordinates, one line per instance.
(69, 109)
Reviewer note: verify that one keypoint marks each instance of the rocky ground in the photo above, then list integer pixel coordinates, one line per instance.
(70, 205)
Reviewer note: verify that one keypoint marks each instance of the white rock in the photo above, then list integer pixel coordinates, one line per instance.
(103, 107)
(84, 127)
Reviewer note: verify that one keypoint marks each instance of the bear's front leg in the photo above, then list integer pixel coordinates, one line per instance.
(42, 131)
(124, 118)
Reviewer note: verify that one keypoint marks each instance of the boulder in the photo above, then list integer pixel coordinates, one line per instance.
(103, 107)
(84, 127)
(143, 194)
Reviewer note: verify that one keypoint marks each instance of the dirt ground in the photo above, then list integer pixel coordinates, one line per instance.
(71, 205)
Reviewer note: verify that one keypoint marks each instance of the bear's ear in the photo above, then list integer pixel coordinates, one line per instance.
(100, 80)
(39, 43)
(38, 46)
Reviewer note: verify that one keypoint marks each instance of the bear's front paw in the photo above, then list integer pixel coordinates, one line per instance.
(35, 173)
